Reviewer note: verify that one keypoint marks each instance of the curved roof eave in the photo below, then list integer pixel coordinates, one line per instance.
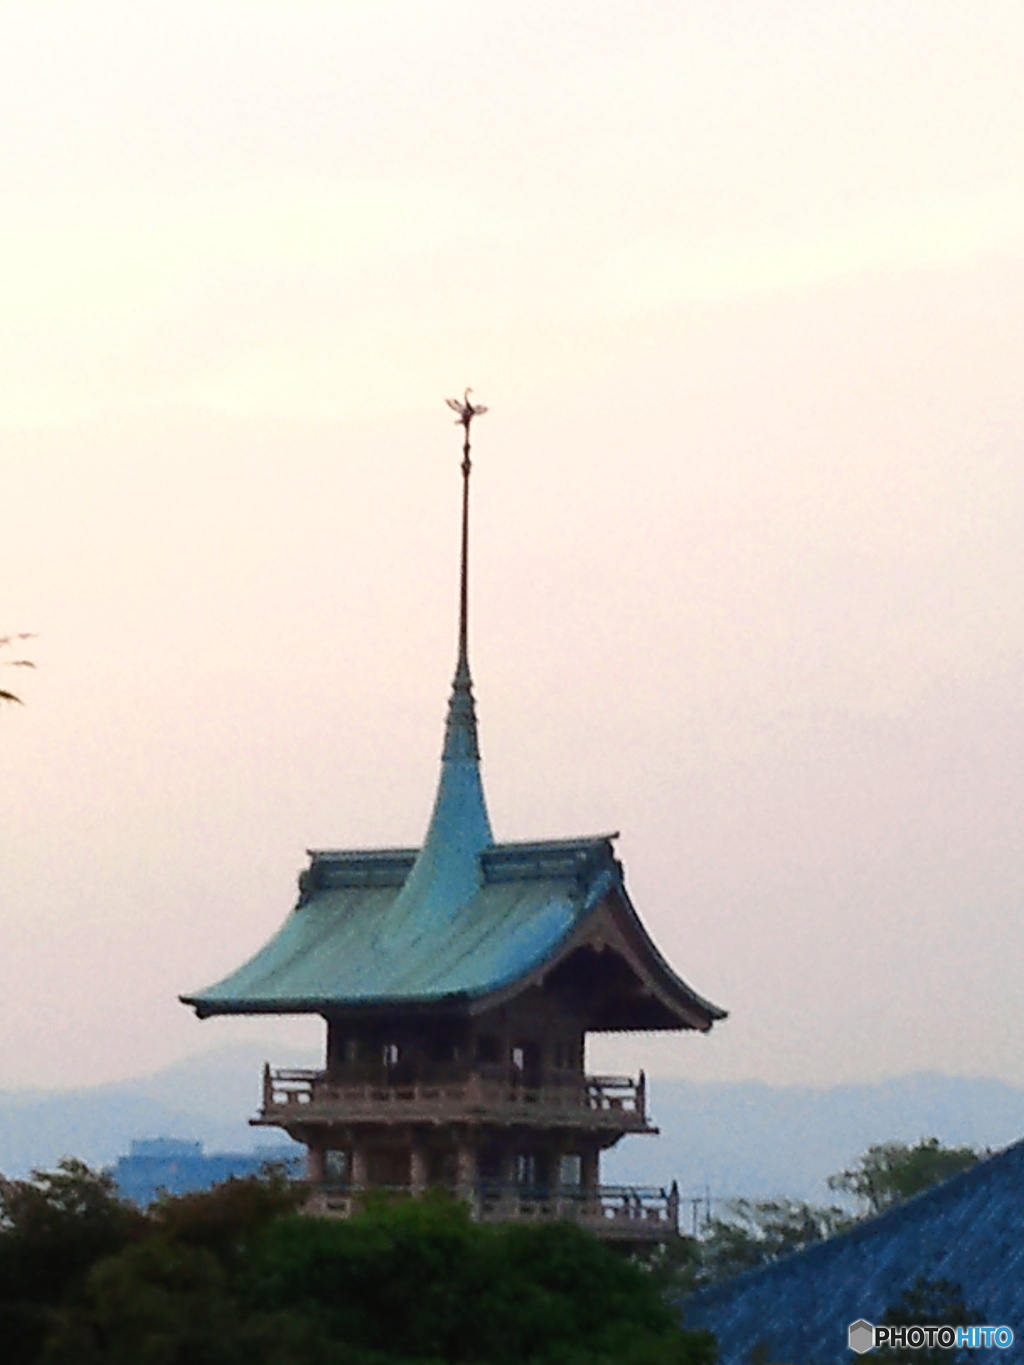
(207, 1008)
(507, 938)
(674, 992)
(715, 1012)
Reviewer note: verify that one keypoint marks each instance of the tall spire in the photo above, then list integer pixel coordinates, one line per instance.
(446, 874)
(460, 739)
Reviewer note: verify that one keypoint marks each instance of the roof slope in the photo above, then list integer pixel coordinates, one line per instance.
(356, 938)
(968, 1230)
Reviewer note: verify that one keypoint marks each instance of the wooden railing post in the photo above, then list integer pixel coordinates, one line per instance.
(673, 1206)
(589, 1178)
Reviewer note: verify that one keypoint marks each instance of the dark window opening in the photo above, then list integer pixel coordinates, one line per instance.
(570, 1170)
(525, 1059)
(526, 1168)
(336, 1166)
(444, 1050)
(487, 1049)
(490, 1164)
(565, 1057)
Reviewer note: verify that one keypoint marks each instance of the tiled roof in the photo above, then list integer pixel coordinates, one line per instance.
(358, 938)
(968, 1230)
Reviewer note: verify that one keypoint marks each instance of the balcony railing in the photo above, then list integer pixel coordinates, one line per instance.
(290, 1094)
(625, 1213)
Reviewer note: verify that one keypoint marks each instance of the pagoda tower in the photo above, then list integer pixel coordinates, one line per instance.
(458, 982)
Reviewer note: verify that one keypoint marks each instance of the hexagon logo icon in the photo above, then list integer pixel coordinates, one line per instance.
(861, 1336)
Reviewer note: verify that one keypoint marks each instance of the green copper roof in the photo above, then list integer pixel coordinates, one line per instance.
(366, 931)
(445, 875)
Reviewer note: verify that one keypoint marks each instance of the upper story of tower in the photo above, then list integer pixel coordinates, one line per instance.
(463, 925)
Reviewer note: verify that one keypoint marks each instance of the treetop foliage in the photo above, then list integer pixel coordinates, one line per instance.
(925, 1301)
(890, 1172)
(751, 1232)
(237, 1277)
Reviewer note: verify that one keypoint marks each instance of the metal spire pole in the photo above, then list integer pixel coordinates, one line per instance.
(467, 411)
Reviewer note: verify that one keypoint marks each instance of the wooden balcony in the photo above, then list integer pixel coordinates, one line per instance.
(632, 1214)
(292, 1096)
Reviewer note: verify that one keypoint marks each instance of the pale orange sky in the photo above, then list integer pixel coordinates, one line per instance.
(741, 282)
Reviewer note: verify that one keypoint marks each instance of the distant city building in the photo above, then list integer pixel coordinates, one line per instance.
(164, 1165)
(458, 982)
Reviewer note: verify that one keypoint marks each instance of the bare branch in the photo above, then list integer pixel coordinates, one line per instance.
(6, 641)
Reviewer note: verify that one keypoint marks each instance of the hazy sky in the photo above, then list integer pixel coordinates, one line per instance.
(742, 283)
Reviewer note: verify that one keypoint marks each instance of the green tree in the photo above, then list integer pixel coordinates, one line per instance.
(170, 1297)
(236, 1277)
(748, 1233)
(751, 1232)
(757, 1231)
(228, 1218)
(418, 1280)
(890, 1172)
(54, 1227)
(156, 1301)
(925, 1303)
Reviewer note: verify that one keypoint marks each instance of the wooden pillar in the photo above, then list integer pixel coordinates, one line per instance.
(316, 1165)
(360, 1171)
(508, 1202)
(466, 1170)
(554, 1156)
(590, 1175)
(419, 1175)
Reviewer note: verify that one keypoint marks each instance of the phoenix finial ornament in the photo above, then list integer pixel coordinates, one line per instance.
(466, 410)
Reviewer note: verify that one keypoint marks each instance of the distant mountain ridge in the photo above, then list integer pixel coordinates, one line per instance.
(209, 1097)
(737, 1138)
(749, 1138)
